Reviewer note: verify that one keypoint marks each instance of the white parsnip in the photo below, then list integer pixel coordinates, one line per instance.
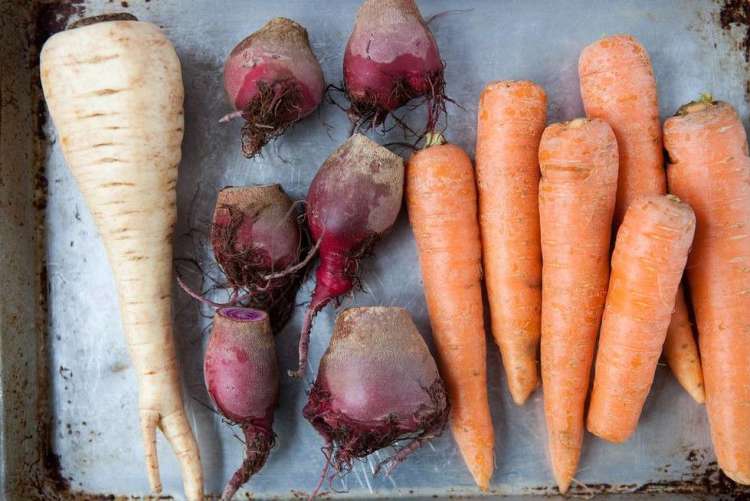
(114, 91)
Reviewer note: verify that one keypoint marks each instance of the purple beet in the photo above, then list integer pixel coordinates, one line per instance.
(391, 58)
(377, 384)
(256, 233)
(242, 377)
(353, 200)
(273, 80)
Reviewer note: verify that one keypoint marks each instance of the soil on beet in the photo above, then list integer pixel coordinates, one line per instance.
(352, 439)
(270, 113)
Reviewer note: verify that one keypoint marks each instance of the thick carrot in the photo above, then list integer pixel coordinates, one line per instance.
(647, 264)
(577, 191)
(512, 115)
(710, 170)
(114, 90)
(681, 350)
(618, 86)
(442, 203)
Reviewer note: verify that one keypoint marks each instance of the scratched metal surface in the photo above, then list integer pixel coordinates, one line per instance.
(95, 426)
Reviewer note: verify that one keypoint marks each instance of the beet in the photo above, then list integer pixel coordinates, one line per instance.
(354, 198)
(273, 80)
(377, 384)
(255, 232)
(242, 377)
(391, 58)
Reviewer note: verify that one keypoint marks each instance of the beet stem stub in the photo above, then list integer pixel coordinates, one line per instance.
(242, 314)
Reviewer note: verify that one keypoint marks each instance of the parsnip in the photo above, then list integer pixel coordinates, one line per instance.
(114, 91)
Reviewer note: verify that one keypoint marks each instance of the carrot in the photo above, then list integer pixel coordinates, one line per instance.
(577, 190)
(441, 199)
(647, 264)
(618, 86)
(114, 91)
(710, 170)
(512, 115)
(681, 351)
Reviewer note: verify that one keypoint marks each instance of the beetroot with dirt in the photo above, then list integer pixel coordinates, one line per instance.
(377, 384)
(390, 59)
(258, 243)
(242, 377)
(353, 200)
(273, 80)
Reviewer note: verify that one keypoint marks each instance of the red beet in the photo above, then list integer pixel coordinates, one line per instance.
(255, 232)
(377, 384)
(390, 59)
(354, 198)
(273, 80)
(242, 378)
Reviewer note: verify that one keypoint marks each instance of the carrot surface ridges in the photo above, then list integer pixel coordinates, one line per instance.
(619, 87)
(647, 264)
(441, 199)
(512, 116)
(710, 170)
(577, 191)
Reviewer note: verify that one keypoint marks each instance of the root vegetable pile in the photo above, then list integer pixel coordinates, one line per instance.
(273, 80)
(390, 59)
(242, 377)
(353, 200)
(377, 384)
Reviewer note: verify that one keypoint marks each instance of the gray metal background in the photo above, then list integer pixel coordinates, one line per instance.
(93, 389)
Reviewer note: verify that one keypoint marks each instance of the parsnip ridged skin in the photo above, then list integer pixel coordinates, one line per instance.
(114, 91)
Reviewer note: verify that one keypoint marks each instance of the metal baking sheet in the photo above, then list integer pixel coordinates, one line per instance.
(95, 431)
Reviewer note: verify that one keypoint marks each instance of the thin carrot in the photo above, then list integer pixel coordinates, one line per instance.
(681, 350)
(577, 191)
(512, 115)
(618, 86)
(442, 203)
(647, 264)
(710, 170)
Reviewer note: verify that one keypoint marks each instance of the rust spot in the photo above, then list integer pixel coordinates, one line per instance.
(737, 13)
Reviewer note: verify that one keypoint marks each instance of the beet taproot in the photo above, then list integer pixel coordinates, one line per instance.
(242, 376)
(273, 80)
(377, 384)
(353, 200)
(390, 59)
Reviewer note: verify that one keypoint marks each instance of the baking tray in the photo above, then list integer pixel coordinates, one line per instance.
(67, 393)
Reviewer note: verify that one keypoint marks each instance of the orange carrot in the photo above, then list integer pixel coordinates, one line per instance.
(681, 351)
(647, 264)
(576, 200)
(442, 202)
(618, 86)
(512, 115)
(710, 170)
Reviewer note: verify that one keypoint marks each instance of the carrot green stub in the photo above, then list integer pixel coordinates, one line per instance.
(577, 190)
(710, 170)
(442, 204)
(647, 264)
